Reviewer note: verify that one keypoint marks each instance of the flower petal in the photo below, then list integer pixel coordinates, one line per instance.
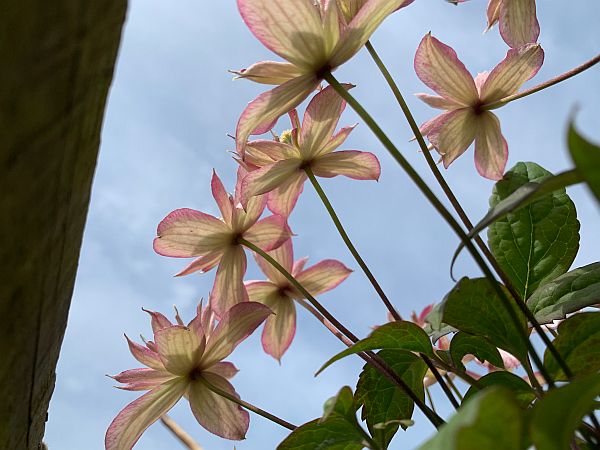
(221, 197)
(453, 134)
(262, 152)
(179, 348)
(225, 369)
(506, 78)
(228, 288)
(493, 12)
(320, 120)
(491, 150)
(350, 163)
(283, 199)
(186, 232)
(269, 233)
(131, 422)
(270, 72)
(293, 29)
(157, 320)
(268, 177)
(270, 105)
(202, 264)
(142, 379)
(236, 325)
(438, 102)
(323, 276)
(299, 266)
(215, 413)
(144, 355)
(259, 290)
(280, 328)
(437, 65)
(284, 255)
(518, 22)
(336, 140)
(360, 29)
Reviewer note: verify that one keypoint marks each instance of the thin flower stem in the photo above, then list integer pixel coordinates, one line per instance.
(248, 406)
(180, 433)
(461, 212)
(533, 379)
(350, 245)
(453, 386)
(441, 382)
(368, 356)
(546, 84)
(441, 209)
(430, 398)
(325, 322)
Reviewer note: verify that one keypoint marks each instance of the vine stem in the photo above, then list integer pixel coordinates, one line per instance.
(459, 209)
(546, 84)
(440, 379)
(248, 406)
(368, 356)
(441, 209)
(180, 433)
(349, 244)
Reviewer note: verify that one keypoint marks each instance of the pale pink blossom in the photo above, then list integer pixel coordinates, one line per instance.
(279, 294)
(517, 19)
(465, 100)
(313, 38)
(279, 166)
(186, 361)
(187, 233)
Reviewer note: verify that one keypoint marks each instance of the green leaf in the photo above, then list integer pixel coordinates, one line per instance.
(434, 326)
(383, 403)
(522, 391)
(399, 335)
(338, 429)
(539, 242)
(474, 307)
(578, 342)
(490, 420)
(523, 196)
(568, 293)
(556, 417)
(586, 157)
(467, 344)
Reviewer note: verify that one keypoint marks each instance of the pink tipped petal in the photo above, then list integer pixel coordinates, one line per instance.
(269, 177)
(480, 80)
(272, 104)
(236, 325)
(142, 379)
(228, 289)
(518, 22)
(299, 266)
(438, 102)
(493, 12)
(225, 369)
(320, 120)
(185, 233)
(269, 233)
(350, 163)
(221, 197)
(361, 27)
(506, 78)
(284, 255)
(131, 422)
(336, 140)
(215, 413)
(270, 72)
(290, 28)
(202, 264)
(158, 320)
(144, 355)
(323, 276)
(491, 150)
(437, 65)
(280, 328)
(262, 152)
(258, 291)
(454, 135)
(179, 348)
(283, 199)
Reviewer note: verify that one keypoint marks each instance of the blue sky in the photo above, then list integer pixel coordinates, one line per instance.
(172, 103)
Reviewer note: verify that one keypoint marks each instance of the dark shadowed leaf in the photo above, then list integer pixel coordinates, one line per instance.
(522, 391)
(467, 344)
(586, 157)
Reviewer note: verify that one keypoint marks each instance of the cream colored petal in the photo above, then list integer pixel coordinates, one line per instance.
(179, 349)
(518, 22)
(454, 135)
(270, 72)
(491, 150)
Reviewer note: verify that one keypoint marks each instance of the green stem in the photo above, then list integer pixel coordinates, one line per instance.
(369, 357)
(440, 380)
(453, 386)
(461, 212)
(248, 406)
(349, 244)
(430, 398)
(565, 76)
(441, 209)
(533, 379)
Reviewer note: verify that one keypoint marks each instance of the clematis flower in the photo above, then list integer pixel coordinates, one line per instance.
(518, 21)
(312, 38)
(186, 361)
(187, 233)
(465, 100)
(350, 8)
(280, 165)
(278, 293)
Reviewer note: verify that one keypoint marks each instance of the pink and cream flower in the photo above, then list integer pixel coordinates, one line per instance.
(279, 166)
(517, 19)
(278, 293)
(186, 361)
(465, 100)
(187, 233)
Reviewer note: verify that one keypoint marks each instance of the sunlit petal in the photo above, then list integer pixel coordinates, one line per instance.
(454, 135)
(350, 163)
(284, 255)
(491, 150)
(228, 288)
(283, 199)
(269, 233)
(142, 379)
(179, 348)
(270, 72)
(323, 276)
(280, 328)
(518, 22)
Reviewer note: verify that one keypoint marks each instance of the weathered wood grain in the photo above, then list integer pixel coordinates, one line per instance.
(56, 64)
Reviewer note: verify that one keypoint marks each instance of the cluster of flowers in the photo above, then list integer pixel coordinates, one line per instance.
(314, 38)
